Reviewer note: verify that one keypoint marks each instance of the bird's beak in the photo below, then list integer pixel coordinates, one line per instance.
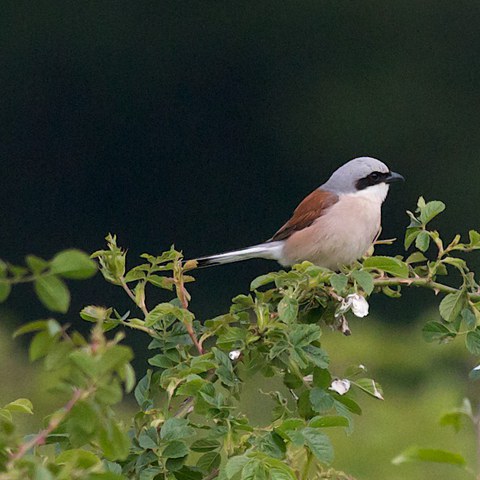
(394, 177)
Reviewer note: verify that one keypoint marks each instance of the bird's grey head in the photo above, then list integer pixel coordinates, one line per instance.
(358, 174)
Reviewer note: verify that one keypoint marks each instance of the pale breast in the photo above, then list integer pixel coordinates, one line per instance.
(339, 237)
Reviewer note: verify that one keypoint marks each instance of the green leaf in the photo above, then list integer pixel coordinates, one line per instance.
(472, 342)
(50, 325)
(36, 264)
(5, 289)
(205, 445)
(53, 293)
(319, 444)
(21, 405)
(457, 417)
(321, 400)
(175, 449)
(148, 439)
(176, 429)
(364, 280)
(390, 265)
(114, 442)
(329, 421)
(436, 331)
(161, 282)
(188, 473)
(417, 454)
(263, 280)
(452, 305)
(163, 309)
(73, 264)
(339, 282)
(369, 386)
(410, 236)
(288, 309)
(77, 457)
(430, 211)
(235, 465)
(469, 318)
(416, 257)
(209, 461)
(422, 242)
(40, 345)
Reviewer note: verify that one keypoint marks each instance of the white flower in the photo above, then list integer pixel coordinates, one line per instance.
(234, 355)
(354, 302)
(341, 386)
(359, 305)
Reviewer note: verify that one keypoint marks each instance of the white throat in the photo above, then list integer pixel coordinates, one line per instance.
(375, 193)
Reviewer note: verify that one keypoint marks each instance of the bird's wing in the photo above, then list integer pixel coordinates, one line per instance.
(311, 207)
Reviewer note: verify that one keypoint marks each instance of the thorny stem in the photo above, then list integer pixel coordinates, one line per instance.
(55, 421)
(183, 296)
(422, 282)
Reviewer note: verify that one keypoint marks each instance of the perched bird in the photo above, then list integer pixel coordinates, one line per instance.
(333, 226)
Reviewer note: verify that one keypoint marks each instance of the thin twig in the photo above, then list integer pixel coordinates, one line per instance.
(132, 296)
(55, 421)
(421, 282)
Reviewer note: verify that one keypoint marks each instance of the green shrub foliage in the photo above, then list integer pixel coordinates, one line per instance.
(189, 423)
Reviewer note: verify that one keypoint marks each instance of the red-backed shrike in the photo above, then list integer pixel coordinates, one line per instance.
(333, 226)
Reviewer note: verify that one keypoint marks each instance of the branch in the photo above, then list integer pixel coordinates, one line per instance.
(421, 282)
(55, 421)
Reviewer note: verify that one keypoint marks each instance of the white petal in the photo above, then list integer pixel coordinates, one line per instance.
(359, 305)
(234, 354)
(340, 386)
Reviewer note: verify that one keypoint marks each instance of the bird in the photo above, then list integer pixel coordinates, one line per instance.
(333, 226)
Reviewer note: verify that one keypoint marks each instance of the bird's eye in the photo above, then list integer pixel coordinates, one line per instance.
(374, 175)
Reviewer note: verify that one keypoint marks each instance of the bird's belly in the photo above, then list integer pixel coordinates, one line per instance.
(339, 237)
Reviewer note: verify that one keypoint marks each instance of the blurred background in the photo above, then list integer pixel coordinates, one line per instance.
(204, 123)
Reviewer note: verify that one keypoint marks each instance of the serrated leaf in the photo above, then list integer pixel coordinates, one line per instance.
(410, 236)
(263, 280)
(53, 293)
(417, 454)
(452, 305)
(73, 264)
(339, 282)
(364, 280)
(288, 309)
(436, 331)
(469, 318)
(430, 211)
(320, 400)
(472, 342)
(175, 449)
(205, 445)
(416, 257)
(390, 265)
(176, 429)
(209, 461)
(319, 444)
(422, 242)
(235, 465)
